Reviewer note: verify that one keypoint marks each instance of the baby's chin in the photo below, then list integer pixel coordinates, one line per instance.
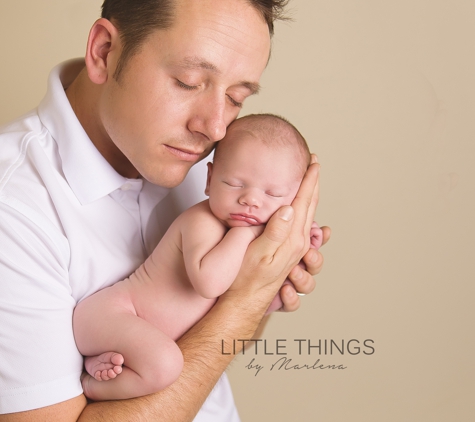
(230, 223)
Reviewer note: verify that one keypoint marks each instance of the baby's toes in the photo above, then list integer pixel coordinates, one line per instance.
(118, 369)
(117, 359)
(105, 375)
(97, 376)
(111, 374)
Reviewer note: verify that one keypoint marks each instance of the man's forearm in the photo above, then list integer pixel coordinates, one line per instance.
(231, 318)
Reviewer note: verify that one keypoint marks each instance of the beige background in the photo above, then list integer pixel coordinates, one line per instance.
(385, 94)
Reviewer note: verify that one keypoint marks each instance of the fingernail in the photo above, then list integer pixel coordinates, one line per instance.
(314, 159)
(298, 274)
(286, 213)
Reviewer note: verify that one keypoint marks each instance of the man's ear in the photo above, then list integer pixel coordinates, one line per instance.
(103, 40)
(208, 178)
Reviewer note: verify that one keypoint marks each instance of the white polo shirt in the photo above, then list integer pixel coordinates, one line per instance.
(69, 226)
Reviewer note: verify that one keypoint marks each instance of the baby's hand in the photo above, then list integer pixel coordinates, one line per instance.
(316, 236)
(257, 230)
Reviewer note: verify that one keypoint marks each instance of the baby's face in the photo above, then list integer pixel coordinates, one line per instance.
(251, 181)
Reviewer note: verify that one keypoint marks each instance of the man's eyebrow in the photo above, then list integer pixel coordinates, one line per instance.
(199, 63)
(254, 87)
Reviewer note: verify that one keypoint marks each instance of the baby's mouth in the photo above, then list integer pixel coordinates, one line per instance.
(247, 218)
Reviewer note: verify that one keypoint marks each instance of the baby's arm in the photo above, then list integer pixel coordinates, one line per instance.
(212, 255)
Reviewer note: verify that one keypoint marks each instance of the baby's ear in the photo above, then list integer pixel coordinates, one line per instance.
(208, 178)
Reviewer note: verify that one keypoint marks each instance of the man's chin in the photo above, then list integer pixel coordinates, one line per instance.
(168, 180)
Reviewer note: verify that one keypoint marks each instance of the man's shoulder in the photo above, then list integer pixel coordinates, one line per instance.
(26, 146)
(15, 138)
(29, 122)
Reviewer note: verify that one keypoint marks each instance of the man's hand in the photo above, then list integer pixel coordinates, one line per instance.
(285, 241)
(316, 241)
(303, 279)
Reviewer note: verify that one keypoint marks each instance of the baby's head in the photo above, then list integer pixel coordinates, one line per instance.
(257, 168)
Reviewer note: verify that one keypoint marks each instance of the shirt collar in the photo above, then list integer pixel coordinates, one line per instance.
(88, 173)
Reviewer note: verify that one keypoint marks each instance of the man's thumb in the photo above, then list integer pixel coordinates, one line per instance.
(279, 226)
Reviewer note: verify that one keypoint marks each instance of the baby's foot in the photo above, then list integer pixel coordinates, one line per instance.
(104, 367)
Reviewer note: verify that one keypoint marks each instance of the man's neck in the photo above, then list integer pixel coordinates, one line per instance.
(84, 97)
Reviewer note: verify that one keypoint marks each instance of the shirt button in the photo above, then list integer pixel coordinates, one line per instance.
(126, 186)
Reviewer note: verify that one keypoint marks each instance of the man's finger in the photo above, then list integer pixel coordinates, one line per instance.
(305, 202)
(277, 230)
(314, 201)
(302, 280)
(313, 260)
(290, 299)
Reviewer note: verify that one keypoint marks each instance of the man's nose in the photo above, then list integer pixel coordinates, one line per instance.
(209, 119)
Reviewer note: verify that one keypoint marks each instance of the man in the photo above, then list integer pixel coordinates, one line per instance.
(80, 181)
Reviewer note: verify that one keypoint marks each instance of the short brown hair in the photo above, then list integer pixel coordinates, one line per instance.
(137, 19)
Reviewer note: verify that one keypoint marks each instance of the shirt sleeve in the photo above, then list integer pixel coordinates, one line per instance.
(40, 364)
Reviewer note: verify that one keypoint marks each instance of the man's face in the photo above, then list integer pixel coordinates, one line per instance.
(178, 94)
(250, 181)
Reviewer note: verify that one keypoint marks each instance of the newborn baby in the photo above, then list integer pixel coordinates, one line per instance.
(127, 332)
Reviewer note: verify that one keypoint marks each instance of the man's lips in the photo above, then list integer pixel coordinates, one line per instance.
(248, 218)
(184, 154)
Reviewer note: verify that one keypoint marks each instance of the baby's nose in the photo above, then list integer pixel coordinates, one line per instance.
(250, 199)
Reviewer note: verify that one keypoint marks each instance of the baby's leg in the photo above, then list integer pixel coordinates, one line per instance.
(152, 360)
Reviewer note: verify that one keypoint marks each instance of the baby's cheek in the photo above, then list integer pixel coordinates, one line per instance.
(275, 206)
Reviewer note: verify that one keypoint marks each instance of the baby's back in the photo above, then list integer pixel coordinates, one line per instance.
(160, 289)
